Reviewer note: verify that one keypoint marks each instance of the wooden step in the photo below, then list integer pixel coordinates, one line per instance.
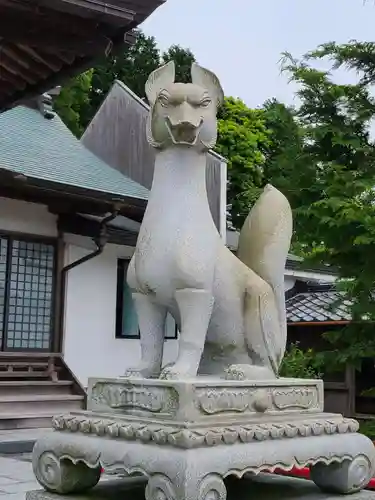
(23, 374)
(35, 387)
(30, 366)
(25, 421)
(40, 403)
(17, 364)
(31, 354)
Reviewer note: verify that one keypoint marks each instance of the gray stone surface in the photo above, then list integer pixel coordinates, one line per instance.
(264, 487)
(205, 398)
(187, 435)
(67, 462)
(16, 478)
(16, 441)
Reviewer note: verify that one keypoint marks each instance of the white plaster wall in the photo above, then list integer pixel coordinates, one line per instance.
(24, 217)
(289, 282)
(90, 346)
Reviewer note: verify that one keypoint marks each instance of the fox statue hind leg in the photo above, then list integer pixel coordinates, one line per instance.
(263, 247)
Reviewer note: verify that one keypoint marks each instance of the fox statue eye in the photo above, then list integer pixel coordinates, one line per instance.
(163, 99)
(205, 102)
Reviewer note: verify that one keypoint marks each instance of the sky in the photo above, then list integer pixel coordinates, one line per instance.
(242, 40)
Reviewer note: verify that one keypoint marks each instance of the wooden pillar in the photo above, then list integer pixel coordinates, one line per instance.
(58, 323)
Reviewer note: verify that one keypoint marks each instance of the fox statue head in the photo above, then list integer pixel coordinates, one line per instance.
(183, 114)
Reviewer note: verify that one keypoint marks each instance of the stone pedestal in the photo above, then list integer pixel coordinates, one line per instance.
(264, 487)
(187, 436)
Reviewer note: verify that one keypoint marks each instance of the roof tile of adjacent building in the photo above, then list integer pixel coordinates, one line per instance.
(45, 149)
(319, 306)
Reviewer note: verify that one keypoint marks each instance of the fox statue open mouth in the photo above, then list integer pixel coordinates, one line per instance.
(184, 132)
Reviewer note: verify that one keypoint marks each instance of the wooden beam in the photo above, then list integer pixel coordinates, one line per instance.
(97, 9)
(110, 11)
(79, 65)
(82, 226)
(40, 196)
(318, 323)
(5, 83)
(76, 224)
(54, 32)
(67, 198)
(47, 60)
(66, 57)
(6, 77)
(5, 90)
(23, 60)
(14, 67)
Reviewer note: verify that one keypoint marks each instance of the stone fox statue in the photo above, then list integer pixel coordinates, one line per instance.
(230, 310)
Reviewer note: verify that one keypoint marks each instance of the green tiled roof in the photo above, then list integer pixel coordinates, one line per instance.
(46, 150)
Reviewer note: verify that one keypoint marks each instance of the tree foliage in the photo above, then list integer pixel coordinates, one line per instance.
(73, 103)
(183, 59)
(132, 66)
(81, 97)
(299, 363)
(338, 212)
(284, 164)
(242, 139)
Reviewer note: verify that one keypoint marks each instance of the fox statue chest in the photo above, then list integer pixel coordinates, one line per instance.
(178, 241)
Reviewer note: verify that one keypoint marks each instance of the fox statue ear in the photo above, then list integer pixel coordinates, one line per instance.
(158, 80)
(207, 80)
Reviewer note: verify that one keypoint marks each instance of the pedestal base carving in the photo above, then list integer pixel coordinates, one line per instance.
(188, 459)
(61, 475)
(68, 463)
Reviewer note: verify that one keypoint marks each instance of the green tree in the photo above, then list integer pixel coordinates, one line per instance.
(287, 166)
(338, 214)
(284, 164)
(73, 103)
(81, 97)
(242, 139)
(132, 66)
(262, 146)
(183, 59)
(298, 363)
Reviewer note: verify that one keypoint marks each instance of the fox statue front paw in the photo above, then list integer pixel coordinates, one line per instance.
(142, 371)
(249, 372)
(177, 371)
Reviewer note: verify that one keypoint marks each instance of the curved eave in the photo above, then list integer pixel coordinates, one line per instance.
(59, 194)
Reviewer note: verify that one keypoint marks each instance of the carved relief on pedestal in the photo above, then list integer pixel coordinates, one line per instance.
(302, 398)
(213, 401)
(197, 436)
(160, 400)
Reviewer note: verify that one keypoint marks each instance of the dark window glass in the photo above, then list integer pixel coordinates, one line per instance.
(126, 315)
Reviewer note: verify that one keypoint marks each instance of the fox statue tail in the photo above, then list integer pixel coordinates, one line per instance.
(263, 246)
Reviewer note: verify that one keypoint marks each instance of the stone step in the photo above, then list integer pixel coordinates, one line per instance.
(39, 403)
(21, 387)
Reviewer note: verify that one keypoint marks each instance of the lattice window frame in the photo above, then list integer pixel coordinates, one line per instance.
(27, 306)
